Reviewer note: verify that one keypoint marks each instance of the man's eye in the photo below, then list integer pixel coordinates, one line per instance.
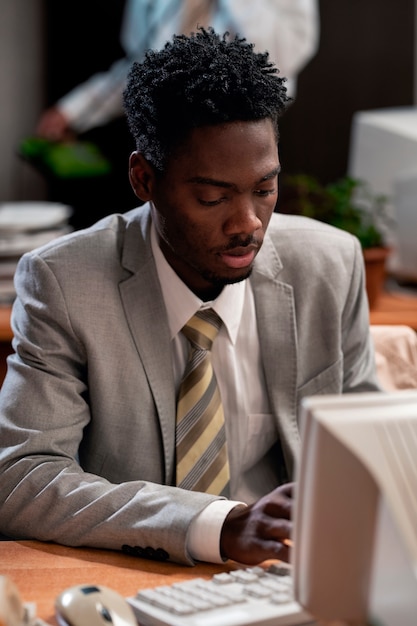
(211, 202)
(263, 193)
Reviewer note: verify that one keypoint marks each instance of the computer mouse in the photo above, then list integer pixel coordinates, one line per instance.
(93, 605)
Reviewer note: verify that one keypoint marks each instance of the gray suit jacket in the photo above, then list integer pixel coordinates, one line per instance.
(88, 404)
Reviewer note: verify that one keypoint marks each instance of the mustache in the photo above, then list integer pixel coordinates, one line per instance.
(238, 242)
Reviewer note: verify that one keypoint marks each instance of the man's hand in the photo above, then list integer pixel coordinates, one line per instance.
(258, 532)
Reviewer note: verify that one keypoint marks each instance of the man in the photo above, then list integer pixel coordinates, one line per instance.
(89, 402)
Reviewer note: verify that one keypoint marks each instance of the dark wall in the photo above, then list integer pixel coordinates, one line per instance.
(82, 37)
(365, 61)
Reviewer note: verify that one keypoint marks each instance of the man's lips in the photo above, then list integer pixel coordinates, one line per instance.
(239, 257)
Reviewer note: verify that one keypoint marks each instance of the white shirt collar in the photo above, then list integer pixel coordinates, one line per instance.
(181, 303)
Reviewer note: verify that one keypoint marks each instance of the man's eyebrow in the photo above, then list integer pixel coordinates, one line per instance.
(272, 174)
(203, 180)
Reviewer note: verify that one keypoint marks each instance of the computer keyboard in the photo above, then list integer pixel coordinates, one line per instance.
(242, 597)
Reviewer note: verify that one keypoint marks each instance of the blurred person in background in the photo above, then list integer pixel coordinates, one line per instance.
(287, 29)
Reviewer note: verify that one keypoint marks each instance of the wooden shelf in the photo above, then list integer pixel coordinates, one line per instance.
(6, 336)
(5, 330)
(395, 308)
(391, 308)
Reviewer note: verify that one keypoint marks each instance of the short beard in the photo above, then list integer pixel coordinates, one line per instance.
(219, 282)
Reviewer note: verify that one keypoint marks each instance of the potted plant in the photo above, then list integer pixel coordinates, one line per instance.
(348, 204)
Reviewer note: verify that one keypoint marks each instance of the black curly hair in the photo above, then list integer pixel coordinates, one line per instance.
(199, 80)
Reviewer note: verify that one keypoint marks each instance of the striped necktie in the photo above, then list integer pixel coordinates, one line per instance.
(202, 461)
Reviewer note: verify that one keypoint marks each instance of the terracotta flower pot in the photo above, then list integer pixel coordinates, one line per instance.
(375, 272)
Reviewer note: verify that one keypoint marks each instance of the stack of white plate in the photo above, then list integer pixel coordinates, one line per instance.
(23, 227)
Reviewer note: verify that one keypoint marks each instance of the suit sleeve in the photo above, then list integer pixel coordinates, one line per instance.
(44, 413)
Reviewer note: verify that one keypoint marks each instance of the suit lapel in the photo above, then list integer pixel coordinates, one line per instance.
(145, 311)
(275, 312)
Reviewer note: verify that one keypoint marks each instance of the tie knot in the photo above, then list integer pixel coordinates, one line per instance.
(201, 330)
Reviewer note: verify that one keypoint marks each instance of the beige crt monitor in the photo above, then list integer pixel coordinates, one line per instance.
(355, 521)
(383, 152)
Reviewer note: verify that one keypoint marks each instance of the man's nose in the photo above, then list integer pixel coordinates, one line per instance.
(243, 218)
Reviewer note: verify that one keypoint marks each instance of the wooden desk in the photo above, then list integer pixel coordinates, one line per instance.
(41, 571)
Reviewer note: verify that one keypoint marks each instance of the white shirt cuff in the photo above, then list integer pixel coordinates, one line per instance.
(203, 540)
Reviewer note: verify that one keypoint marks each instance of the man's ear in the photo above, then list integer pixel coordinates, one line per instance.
(141, 176)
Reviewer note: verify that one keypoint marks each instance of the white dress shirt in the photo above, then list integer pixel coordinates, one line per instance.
(236, 359)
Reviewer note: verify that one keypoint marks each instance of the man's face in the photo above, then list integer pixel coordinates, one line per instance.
(213, 205)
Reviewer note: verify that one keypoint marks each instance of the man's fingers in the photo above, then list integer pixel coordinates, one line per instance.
(276, 529)
(260, 531)
(280, 551)
(266, 550)
(279, 508)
